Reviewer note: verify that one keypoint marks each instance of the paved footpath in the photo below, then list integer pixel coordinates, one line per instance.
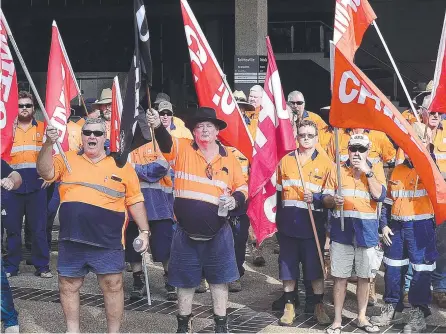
(37, 301)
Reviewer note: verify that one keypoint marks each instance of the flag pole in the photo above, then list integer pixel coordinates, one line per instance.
(310, 212)
(412, 107)
(33, 87)
(149, 101)
(338, 173)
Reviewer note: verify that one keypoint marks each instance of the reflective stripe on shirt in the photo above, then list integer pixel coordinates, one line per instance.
(199, 179)
(196, 195)
(24, 165)
(395, 263)
(22, 148)
(298, 204)
(147, 185)
(355, 193)
(412, 217)
(298, 183)
(424, 267)
(408, 193)
(97, 187)
(356, 214)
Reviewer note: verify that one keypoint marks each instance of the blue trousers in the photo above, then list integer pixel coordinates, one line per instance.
(439, 274)
(414, 243)
(9, 314)
(34, 206)
(240, 227)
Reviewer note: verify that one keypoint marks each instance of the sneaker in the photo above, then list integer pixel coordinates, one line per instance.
(44, 274)
(184, 323)
(388, 316)
(257, 257)
(11, 274)
(221, 324)
(139, 289)
(320, 315)
(203, 287)
(235, 286)
(289, 315)
(171, 290)
(279, 304)
(440, 299)
(372, 294)
(417, 323)
(310, 307)
(12, 329)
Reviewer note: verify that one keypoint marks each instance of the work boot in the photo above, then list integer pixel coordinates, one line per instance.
(388, 316)
(320, 315)
(235, 286)
(203, 287)
(184, 323)
(171, 291)
(372, 294)
(289, 315)
(221, 324)
(279, 304)
(310, 307)
(440, 299)
(417, 323)
(257, 257)
(139, 286)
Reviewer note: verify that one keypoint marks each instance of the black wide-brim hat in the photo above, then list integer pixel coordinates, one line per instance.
(205, 114)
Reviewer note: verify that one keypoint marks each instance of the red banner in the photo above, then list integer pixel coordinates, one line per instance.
(358, 103)
(8, 94)
(60, 87)
(438, 100)
(352, 18)
(274, 139)
(116, 112)
(211, 88)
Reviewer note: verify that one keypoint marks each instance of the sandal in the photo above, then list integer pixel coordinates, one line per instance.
(368, 327)
(336, 330)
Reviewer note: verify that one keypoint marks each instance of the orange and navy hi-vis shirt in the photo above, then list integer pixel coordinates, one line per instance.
(320, 123)
(292, 215)
(94, 198)
(325, 136)
(251, 119)
(360, 208)
(408, 198)
(439, 143)
(244, 162)
(25, 149)
(155, 181)
(198, 186)
(179, 130)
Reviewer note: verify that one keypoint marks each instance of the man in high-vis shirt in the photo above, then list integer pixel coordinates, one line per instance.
(30, 199)
(296, 238)
(96, 198)
(296, 101)
(353, 249)
(408, 228)
(208, 183)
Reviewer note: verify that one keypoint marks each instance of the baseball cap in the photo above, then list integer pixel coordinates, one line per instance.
(160, 97)
(165, 105)
(359, 140)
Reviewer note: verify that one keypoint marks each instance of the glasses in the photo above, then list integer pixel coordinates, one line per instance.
(27, 105)
(306, 135)
(164, 113)
(299, 103)
(360, 149)
(95, 133)
(209, 171)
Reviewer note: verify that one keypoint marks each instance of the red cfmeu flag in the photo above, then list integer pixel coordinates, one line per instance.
(438, 100)
(274, 139)
(358, 103)
(8, 93)
(210, 86)
(352, 18)
(60, 87)
(116, 112)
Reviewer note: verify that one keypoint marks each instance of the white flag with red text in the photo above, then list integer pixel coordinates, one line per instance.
(8, 93)
(438, 100)
(60, 87)
(116, 112)
(274, 139)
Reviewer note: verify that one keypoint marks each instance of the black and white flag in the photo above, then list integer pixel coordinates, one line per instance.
(135, 130)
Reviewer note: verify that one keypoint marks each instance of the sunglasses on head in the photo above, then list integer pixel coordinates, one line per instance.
(27, 105)
(305, 135)
(96, 133)
(299, 103)
(360, 149)
(165, 113)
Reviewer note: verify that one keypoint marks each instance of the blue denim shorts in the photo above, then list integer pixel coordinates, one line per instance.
(78, 259)
(190, 259)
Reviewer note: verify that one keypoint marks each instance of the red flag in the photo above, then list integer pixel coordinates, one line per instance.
(60, 87)
(352, 18)
(274, 139)
(9, 108)
(211, 88)
(438, 100)
(116, 112)
(358, 103)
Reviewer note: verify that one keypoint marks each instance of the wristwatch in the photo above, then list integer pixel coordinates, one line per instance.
(370, 174)
(146, 232)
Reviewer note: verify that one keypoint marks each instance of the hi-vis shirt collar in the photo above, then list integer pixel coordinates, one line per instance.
(221, 150)
(313, 156)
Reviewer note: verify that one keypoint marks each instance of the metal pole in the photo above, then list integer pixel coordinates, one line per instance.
(338, 170)
(146, 277)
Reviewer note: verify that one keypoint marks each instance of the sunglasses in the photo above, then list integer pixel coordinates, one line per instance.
(299, 103)
(360, 149)
(164, 113)
(209, 171)
(306, 135)
(95, 133)
(27, 105)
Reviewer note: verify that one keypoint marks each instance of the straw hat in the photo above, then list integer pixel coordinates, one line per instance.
(106, 97)
(242, 101)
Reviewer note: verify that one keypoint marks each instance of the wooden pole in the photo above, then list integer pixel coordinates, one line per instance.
(310, 212)
(338, 173)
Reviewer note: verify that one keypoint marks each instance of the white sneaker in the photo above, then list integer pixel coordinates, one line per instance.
(12, 329)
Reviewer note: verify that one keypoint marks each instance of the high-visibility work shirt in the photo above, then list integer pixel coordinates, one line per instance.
(293, 218)
(409, 116)
(199, 184)
(440, 148)
(94, 198)
(251, 119)
(320, 123)
(325, 136)
(25, 149)
(360, 208)
(179, 130)
(156, 184)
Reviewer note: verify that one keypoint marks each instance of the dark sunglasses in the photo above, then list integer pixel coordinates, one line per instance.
(209, 171)
(27, 105)
(95, 133)
(164, 113)
(299, 103)
(305, 135)
(355, 149)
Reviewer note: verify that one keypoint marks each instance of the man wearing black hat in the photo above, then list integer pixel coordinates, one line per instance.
(208, 184)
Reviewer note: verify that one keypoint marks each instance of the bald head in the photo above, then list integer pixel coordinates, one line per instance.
(296, 101)
(255, 95)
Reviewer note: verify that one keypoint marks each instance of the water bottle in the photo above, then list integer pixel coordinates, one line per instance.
(222, 211)
(137, 245)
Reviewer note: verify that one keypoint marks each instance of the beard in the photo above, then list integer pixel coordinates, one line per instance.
(25, 118)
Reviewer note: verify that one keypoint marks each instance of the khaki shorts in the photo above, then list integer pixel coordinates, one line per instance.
(347, 261)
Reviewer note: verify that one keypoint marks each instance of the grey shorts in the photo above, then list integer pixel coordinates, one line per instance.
(347, 261)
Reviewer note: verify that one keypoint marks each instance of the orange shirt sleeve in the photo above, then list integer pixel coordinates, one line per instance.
(133, 192)
(59, 168)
